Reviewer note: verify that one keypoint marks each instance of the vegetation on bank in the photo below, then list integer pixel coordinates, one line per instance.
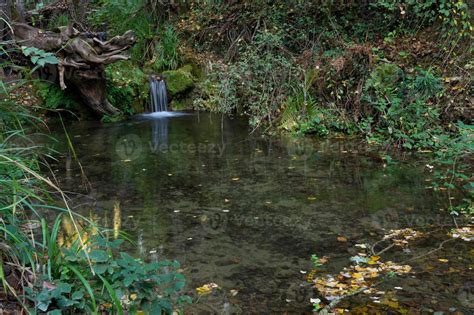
(53, 260)
(398, 73)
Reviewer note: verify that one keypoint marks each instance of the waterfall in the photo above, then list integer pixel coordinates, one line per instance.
(158, 95)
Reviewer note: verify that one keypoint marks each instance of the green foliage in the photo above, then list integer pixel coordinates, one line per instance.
(78, 273)
(146, 19)
(315, 261)
(167, 56)
(452, 170)
(57, 21)
(55, 98)
(112, 119)
(127, 87)
(410, 15)
(219, 90)
(39, 57)
(257, 81)
(384, 79)
(403, 110)
(130, 283)
(121, 97)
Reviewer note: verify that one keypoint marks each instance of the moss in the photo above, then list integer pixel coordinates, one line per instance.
(183, 104)
(186, 68)
(127, 86)
(179, 81)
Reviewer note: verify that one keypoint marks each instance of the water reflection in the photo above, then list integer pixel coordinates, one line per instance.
(159, 135)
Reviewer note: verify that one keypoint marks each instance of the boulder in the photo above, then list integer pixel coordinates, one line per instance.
(179, 81)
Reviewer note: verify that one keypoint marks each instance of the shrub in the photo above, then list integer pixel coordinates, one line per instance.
(402, 108)
(257, 82)
(55, 98)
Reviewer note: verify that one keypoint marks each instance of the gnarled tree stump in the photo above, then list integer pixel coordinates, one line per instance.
(82, 57)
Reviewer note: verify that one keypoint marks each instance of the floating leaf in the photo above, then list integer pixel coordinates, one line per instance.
(341, 239)
(206, 289)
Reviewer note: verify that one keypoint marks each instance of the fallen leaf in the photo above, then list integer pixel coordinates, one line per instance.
(341, 239)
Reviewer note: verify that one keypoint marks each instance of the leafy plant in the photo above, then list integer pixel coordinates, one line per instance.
(122, 282)
(39, 57)
(402, 104)
(55, 98)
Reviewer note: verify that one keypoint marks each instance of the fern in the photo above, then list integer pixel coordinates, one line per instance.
(55, 98)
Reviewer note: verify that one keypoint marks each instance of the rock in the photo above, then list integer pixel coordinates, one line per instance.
(179, 81)
(182, 104)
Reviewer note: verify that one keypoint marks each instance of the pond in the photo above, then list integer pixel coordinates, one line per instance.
(246, 212)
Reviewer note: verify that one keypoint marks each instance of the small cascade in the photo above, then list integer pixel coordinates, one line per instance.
(158, 95)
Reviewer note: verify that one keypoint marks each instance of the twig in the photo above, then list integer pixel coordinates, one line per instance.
(430, 252)
(383, 250)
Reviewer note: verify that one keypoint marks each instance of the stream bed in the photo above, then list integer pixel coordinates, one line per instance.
(246, 212)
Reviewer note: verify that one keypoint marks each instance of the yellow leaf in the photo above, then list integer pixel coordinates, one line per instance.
(443, 260)
(311, 198)
(203, 290)
(235, 179)
(373, 260)
(357, 275)
(341, 239)
(133, 296)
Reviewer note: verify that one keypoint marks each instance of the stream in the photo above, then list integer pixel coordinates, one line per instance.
(246, 212)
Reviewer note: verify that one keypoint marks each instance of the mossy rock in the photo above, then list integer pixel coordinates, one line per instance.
(179, 81)
(183, 104)
(127, 86)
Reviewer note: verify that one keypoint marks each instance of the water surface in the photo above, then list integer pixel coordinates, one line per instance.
(246, 212)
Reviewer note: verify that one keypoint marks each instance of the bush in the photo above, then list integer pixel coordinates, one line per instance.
(257, 82)
(402, 108)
